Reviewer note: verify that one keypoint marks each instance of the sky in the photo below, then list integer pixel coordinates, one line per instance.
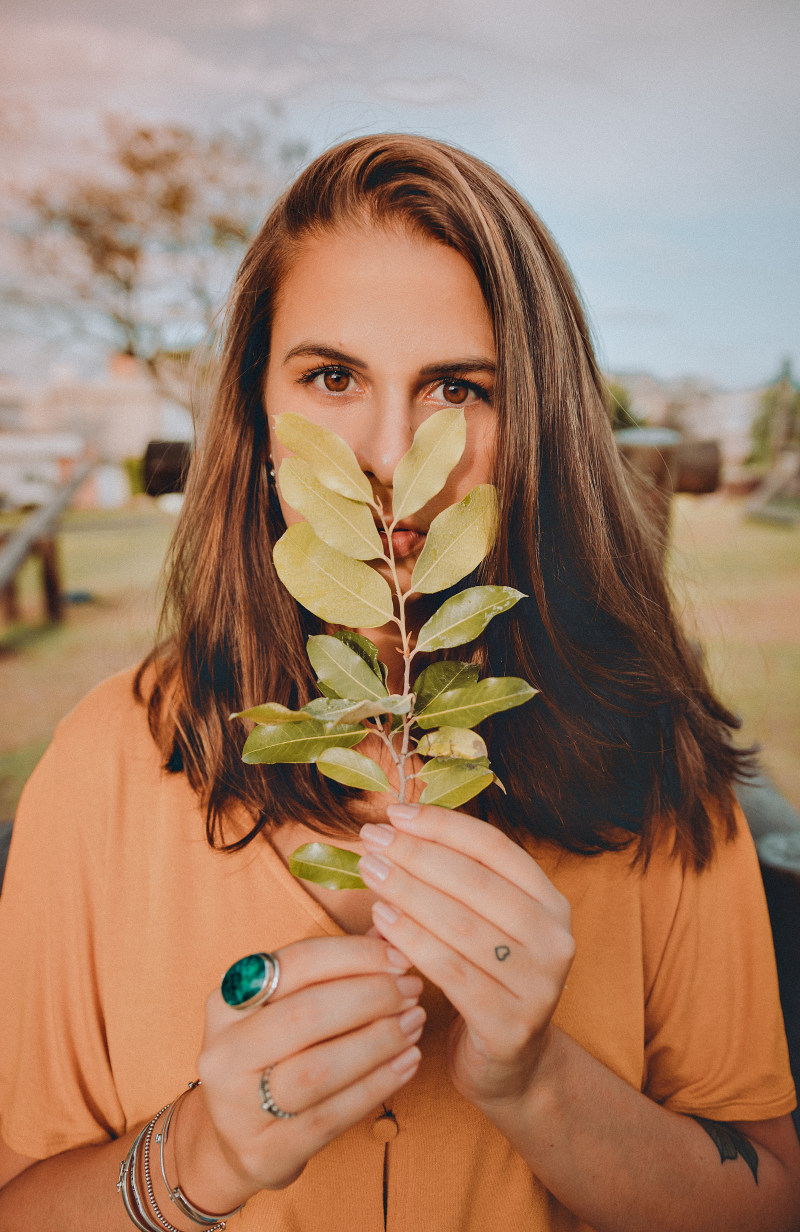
(658, 141)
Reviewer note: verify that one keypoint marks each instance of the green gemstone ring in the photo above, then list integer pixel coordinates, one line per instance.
(251, 981)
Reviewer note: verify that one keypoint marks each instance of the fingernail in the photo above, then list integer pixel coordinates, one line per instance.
(410, 985)
(412, 1020)
(402, 812)
(407, 1061)
(385, 913)
(380, 835)
(374, 867)
(399, 961)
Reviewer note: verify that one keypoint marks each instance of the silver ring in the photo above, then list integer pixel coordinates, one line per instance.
(267, 1102)
(251, 981)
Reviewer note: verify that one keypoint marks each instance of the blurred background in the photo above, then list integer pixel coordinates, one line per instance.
(141, 144)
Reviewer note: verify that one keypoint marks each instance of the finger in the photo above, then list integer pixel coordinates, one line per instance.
(320, 1012)
(482, 842)
(489, 1007)
(481, 942)
(304, 1135)
(316, 1074)
(317, 960)
(463, 879)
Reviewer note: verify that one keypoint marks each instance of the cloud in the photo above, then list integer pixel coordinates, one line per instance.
(432, 91)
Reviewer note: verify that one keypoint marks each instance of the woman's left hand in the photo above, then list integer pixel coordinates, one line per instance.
(477, 916)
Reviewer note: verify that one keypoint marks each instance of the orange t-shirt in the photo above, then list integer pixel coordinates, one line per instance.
(117, 918)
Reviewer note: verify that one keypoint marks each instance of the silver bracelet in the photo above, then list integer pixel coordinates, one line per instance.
(213, 1223)
(128, 1187)
(148, 1180)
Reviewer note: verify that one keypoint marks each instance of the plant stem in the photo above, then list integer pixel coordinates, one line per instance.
(400, 620)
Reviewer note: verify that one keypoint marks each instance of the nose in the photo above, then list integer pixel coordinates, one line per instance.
(387, 431)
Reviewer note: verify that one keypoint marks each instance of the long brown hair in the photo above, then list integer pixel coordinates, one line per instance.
(627, 735)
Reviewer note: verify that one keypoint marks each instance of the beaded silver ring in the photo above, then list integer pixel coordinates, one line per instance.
(267, 1102)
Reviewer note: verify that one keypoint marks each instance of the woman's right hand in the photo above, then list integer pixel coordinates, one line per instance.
(339, 1031)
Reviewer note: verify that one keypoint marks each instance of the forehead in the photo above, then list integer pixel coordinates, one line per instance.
(385, 284)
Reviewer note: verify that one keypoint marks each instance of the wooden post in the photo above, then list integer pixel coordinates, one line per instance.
(47, 551)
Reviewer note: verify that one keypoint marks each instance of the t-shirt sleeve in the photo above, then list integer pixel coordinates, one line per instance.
(715, 1044)
(56, 1087)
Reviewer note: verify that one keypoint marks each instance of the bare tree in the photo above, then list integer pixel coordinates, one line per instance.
(140, 253)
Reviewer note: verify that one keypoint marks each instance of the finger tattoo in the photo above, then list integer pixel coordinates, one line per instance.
(501, 952)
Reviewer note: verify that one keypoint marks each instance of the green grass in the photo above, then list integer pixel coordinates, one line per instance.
(739, 582)
(45, 669)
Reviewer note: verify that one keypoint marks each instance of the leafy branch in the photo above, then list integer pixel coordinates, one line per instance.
(322, 562)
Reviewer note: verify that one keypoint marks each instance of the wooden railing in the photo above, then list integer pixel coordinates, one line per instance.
(37, 537)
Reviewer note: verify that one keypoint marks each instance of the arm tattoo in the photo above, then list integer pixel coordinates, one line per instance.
(730, 1142)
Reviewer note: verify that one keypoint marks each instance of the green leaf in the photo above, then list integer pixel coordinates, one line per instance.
(353, 769)
(465, 616)
(457, 541)
(471, 705)
(422, 472)
(344, 668)
(345, 524)
(334, 868)
(457, 742)
(439, 677)
(451, 783)
(367, 649)
(296, 742)
(331, 585)
(271, 712)
(343, 710)
(331, 458)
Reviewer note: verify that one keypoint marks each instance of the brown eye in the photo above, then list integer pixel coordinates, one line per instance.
(455, 393)
(336, 382)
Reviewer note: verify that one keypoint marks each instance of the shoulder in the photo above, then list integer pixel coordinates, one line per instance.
(109, 707)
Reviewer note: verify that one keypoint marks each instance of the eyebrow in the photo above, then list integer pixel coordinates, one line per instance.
(470, 364)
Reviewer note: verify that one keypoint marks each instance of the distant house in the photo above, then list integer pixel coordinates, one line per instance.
(699, 410)
(45, 426)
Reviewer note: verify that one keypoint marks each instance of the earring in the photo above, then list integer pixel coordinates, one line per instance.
(271, 471)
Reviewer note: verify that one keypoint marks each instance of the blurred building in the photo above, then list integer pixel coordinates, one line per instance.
(46, 424)
(698, 410)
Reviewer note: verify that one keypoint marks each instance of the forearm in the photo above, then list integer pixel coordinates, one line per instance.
(76, 1191)
(624, 1164)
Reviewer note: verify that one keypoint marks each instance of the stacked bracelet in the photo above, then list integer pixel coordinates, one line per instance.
(143, 1211)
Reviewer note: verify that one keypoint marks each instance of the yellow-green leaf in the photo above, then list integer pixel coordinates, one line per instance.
(334, 868)
(297, 742)
(457, 742)
(471, 705)
(332, 459)
(343, 668)
(422, 472)
(364, 647)
(331, 585)
(450, 783)
(341, 710)
(344, 524)
(271, 712)
(458, 540)
(353, 769)
(438, 677)
(465, 616)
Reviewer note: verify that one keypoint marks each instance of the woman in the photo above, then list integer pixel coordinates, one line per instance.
(594, 947)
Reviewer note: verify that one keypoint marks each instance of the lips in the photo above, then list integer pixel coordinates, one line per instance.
(406, 540)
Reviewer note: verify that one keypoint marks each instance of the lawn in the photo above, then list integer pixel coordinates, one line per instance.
(114, 560)
(738, 585)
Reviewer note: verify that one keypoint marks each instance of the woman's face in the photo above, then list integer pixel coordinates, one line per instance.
(374, 330)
